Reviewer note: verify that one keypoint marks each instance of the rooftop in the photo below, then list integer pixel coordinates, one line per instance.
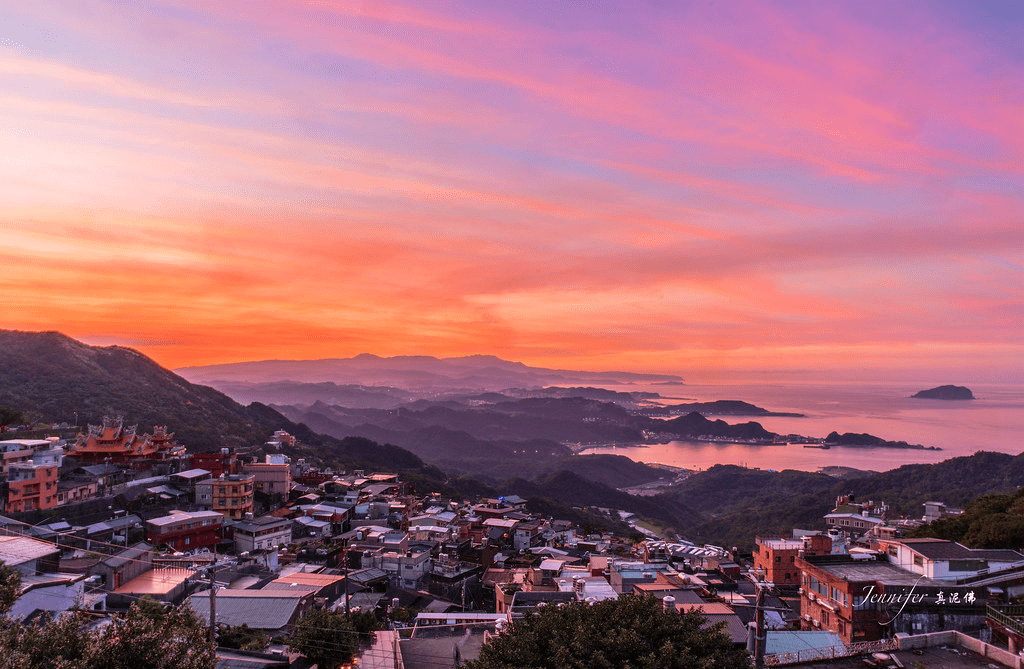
(782, 544)
(941, 549)
(311, 580)
(17, 550)
(182, 516)
(259, 609)
(261, 522)
(156, 582)
(871, 570)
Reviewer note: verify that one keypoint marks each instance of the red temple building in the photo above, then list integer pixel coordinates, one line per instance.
(116, 444)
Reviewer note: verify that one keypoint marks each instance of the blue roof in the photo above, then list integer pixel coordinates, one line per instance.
(778, 642)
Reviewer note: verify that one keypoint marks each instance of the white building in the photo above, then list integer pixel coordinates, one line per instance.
(944, 560)
(263, 533)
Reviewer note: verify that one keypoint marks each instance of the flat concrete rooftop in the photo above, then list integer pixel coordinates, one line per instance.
(871, 570)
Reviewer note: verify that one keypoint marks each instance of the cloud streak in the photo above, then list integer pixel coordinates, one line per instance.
(743, 187)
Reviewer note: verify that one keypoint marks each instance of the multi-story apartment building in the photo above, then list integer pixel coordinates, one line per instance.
(19, 450)
(775, 558)
(31, 486)
(229, 495)
(273, 477)
(870, 599)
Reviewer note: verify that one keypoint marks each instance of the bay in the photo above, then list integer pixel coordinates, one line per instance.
(994, 421)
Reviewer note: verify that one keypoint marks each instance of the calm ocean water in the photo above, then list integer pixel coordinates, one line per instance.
(992, 422)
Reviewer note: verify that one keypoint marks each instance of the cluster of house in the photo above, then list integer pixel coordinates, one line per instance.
(113, 458)
(129, 515)
(269, 540)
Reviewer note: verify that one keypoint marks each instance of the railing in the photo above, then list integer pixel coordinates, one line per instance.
(1008, 617)
(832, 652)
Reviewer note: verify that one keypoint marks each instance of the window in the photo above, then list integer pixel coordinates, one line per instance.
(967, 565)
(918, 561)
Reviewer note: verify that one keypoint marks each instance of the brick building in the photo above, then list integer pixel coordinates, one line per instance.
(775, 557)
(871, 599)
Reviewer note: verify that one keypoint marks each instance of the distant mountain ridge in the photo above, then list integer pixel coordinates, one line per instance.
(55, 378)
(473, 372)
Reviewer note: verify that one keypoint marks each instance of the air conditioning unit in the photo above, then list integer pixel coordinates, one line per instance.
(817, 623)
(810, 596)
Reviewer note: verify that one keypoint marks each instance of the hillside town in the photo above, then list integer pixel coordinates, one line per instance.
(115, 516)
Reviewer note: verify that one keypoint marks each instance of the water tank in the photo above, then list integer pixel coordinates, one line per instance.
(668, 603)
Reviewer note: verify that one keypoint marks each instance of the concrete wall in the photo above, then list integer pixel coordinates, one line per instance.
(953, 638)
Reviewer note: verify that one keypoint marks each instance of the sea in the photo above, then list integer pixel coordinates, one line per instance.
(993, 421)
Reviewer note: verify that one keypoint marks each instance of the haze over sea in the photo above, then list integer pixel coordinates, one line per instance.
(994, 421)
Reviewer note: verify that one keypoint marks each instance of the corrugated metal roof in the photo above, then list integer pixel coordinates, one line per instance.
(778, 642)
(259, 609)
(18, 550)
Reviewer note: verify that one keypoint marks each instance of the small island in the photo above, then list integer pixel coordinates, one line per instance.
(862, 440)
(945, 393)
(717, 408)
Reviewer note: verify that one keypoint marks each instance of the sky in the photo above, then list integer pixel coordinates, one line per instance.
(703, 188)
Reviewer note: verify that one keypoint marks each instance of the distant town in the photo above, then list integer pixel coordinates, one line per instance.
(120, 513)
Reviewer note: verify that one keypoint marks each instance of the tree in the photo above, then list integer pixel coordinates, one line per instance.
(10, 584)
(136, 640)
(326, 638)
(365, 622)
(632, 632)
(151, 608)
(242, 637)
(140, 640)
(9, 416)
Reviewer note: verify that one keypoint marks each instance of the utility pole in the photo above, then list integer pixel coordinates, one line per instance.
(757, 644)
(759, 633)
(344, 548)
(213, 608)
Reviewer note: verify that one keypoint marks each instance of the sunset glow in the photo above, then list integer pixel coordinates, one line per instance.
(670, 187)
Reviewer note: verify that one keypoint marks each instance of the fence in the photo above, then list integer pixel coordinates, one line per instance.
(1008, 617)
(832, 652)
